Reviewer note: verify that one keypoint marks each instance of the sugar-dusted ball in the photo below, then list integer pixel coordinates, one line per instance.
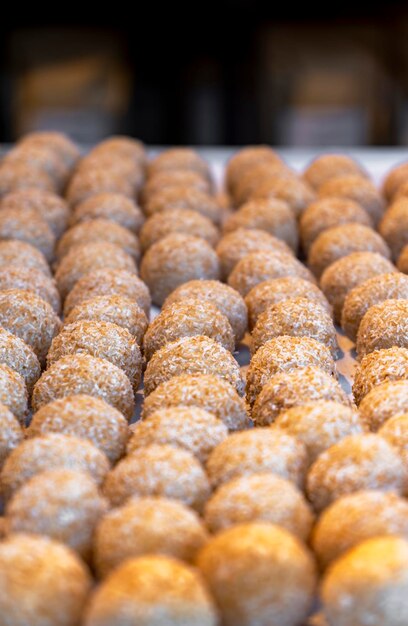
(359, 189)
(385, 325)
(379, 367)
(179, 159)
(109, 206)
(330, 166)
(296, 192)
(30, 279)
(20, 357)
(245, 159)
(183, 221)
(383, 402)
(22, 254)
(183, 197)
(52, 208)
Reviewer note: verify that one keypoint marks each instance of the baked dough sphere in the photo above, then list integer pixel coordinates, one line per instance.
(28, 226)
(13, 392)
(206, 391)
(30, 279)
(320, 424)
(292, 190)
(394, 225)
(257, 451)
(383, 326)
(109, 206)
(288, 389)
(329, 166)
(21, 254)
(122, 145)
(284, 354)
(259, 498)
(52, 208)
(17, 176)
(348, 272)
(183, 197)
(192, 355)
(11, 433)
(147, 526)
(63, 504)
(359, 189)
(42, 582)
(109, 282)
(257, 179)
(327, 213)
(402, 263)
(179, 178)
(296, 317)
(356, 517)
(158, 470)
(18, 355)
(383, 402)
(53, 451)
(90, 181)
(256, 267)
(59, 142)
(151, 590)
(368, 585)
(357, 462)
(395, 178)
(395, 431)
(174, 260)
(378, 367)
(370, 292)
(84, 417)
(179, 159)
(275, 290)
(85, 374)
(259, 573)
(247, 158)
(183, 221)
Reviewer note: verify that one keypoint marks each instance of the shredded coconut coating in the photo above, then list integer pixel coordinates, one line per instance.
(42, 582)
(28, 226)
(402, 263)
(295, 192)
(30, 318)
(85, 417)
(273, 216)
(59, 142)
(383, 326)
(86, 258)
(259, 498)
(18, 355)
(109, 282)
(259, 574)
(188, 318)
(191, 428)
(13, 392)
(289, 389)
(362, 461)
(256, 177)
(383, 402)
(394, 226)
(284, 354)
(121, 145)
(125, 175)
(348, 272)
(395, 178)
(147, 526)
(182, 197)
(247, 158)
(295, 317)
(39, 158)
(19, 176)
(30, 279)
(85, 374)
(326, 213)
(62, 504)
(114, 309)
(109, 206)
(178, 159)
(378, 367)
(52, 208)
(330, 166)
(339, 241)
(192, 355)
(21, 254)
(11, 433)
(368, 584)
(53, 451)
(224, 297)
(370, 292)
(172, 221)
(257, 451)
(94, 180)
(174, 178)
(395, 431)
(208, 392)
(151, 590)
(158, 470)
(174, 260)
(359, 189)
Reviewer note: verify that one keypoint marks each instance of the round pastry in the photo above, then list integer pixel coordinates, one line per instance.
(395, 178)
(295, 192)
(18, 355)
(63, 504)
(383, 402)
(121, 145)
(394, 224)
(13, 392)
(206, 391)
(192, 355)
(30, 279)
(85, 417)
(94, 180)
(179, 159)
(289, 389)
(57, 141)
(173, 221)
(402, 262)
(395, 431)
(19, 176)
(357, 462)
(52, 208)
(28, 226)
(21, 254)
(329, 166)
(158, 470)
(383, 326)
(246, 158)
(359, 189)
(11, 433)
(109, 206)
(174, 178)
(379, 367)
(256, 177)
(259, 572)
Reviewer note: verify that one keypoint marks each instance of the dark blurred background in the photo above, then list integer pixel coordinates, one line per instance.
(217, 73)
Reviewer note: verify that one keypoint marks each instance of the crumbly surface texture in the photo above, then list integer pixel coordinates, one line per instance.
(13, 277)
(110, 206)
(11, 433)
(329, 166)
(183, 197)
(379, 367)
(52, 208)
(22, 254)
(383, 402)
(20, 357)
(393, 226)
(395, 431)
(28, 226)
(13, 392)
(359, 189)
(172, 221)
(383, 326)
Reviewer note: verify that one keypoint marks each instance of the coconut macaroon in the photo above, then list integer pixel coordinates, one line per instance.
(296, 317)
(292, 190)
(22, 254)
(147, 526)
(13, 392)
(180, 178)
(259, 498)
(393, 226)
(383, 402)
(11, 433)
(381, 366)
(373, 578)
(28, 226)
(284, 354)
(275, 290)
(86, 258)
(256, 180)
(53, 451)
(289, 389)
(18, 355)
(63, 504)
(192, 355)
(120, 145)
(109, 206)
(330, 166)
(85, 417)
(359, 189)
(17, 176)
(246, 158)
(383, 326)
(109, 282)
(348, 272)
(178, 159)
(339, 241)
(257, 451)
(183, 221)
(395, 178)
(395, 431)
(89, 181)
(183, 197)
(402, 262)
(371, 292)
(259, 571)
(177, 259)
(191, 428)
(206, 391)
(320, 424)
(52, 208)
(58, 587)
(59, 142)
(362, 461)
(158, 470)
(30, 279)
(327, 213)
